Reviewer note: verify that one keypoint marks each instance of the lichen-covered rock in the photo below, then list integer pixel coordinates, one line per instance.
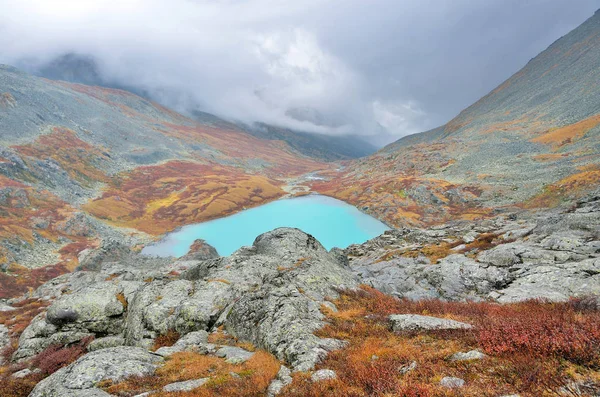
(408, 368)
(323, 374)
(187, 385)
(452, 382)
(552, 254)
(284, 378)
(200, 250)
(106, 342)
(4, 336)
(417, 322)
(41, 334)
(24, 373)
(110, 250)
(94, 308)
(468, 356)
(269, 294)
(196, 341)
(6, 308)
(234, 355)
(81, 377)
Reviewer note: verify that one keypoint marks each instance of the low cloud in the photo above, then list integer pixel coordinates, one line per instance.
(382, 68)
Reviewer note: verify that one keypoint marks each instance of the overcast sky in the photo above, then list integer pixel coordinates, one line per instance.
(330, 66)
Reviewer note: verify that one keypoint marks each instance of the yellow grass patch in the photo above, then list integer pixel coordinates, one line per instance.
(568, 134)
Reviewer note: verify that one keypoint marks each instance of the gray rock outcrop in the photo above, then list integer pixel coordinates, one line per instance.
(283, 379)
(550, 254)
(323, 374)
(234, 355)
(467, 356)
(187, 385)
(452, 382)
(80, 378)
(268, 294)
(200, 250)
(416, 322)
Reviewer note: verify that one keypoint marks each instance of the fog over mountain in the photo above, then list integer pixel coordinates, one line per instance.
(383, 69)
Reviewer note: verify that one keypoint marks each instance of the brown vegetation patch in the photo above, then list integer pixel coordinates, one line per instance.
(7, 100)
(14, 387)
(55, 357)
(485, 241)
(23, 205)
(385, 189)
(550, 157)
(247, 379)
(167, 339)
(567, 189)
(435, 252)
(16, 321)
(18, 280)
(27, 214)
(157, 199)
(534, 348)
(48, 361)
(78, 158)
(121, 298)
(568, 134)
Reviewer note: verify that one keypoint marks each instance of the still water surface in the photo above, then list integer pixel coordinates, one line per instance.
(333, 222)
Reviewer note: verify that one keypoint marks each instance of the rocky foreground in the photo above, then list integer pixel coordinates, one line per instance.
(132, 313)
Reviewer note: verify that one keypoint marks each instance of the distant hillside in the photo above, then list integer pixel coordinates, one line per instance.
(81, 163)
(77, 68)
(532, 141)
(325, 147)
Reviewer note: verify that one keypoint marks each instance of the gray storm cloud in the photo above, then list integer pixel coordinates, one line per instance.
(380, 68)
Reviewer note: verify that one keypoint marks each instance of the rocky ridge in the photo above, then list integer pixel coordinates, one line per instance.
(269, 294)
(550, 254)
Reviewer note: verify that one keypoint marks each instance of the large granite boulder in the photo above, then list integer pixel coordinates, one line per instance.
(200, 250)
(550, 254)
(268, 294)
(81, 377)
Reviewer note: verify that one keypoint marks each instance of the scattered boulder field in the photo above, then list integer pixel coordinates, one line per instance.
(302, 310)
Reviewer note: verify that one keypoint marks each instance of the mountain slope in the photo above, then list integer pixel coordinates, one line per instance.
(325, 147)
(72, 154)
(77, 68)
(534, 141)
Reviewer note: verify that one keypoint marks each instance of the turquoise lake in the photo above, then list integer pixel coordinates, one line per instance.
(333, 222)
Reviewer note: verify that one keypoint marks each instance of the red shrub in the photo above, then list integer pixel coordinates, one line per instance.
(55, 357)
(8, 351)
(166, 340)
(556, 330)
(414, 391)
(10, 387)
(376, 377)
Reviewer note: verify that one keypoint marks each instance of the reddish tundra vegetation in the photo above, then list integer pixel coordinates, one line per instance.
(25, 213)
(534, 348)
(157, 199)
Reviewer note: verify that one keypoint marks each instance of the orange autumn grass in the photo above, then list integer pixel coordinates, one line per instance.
(533, 348)
(247, 379)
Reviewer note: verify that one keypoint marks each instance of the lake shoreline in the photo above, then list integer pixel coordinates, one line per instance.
(331, 220)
